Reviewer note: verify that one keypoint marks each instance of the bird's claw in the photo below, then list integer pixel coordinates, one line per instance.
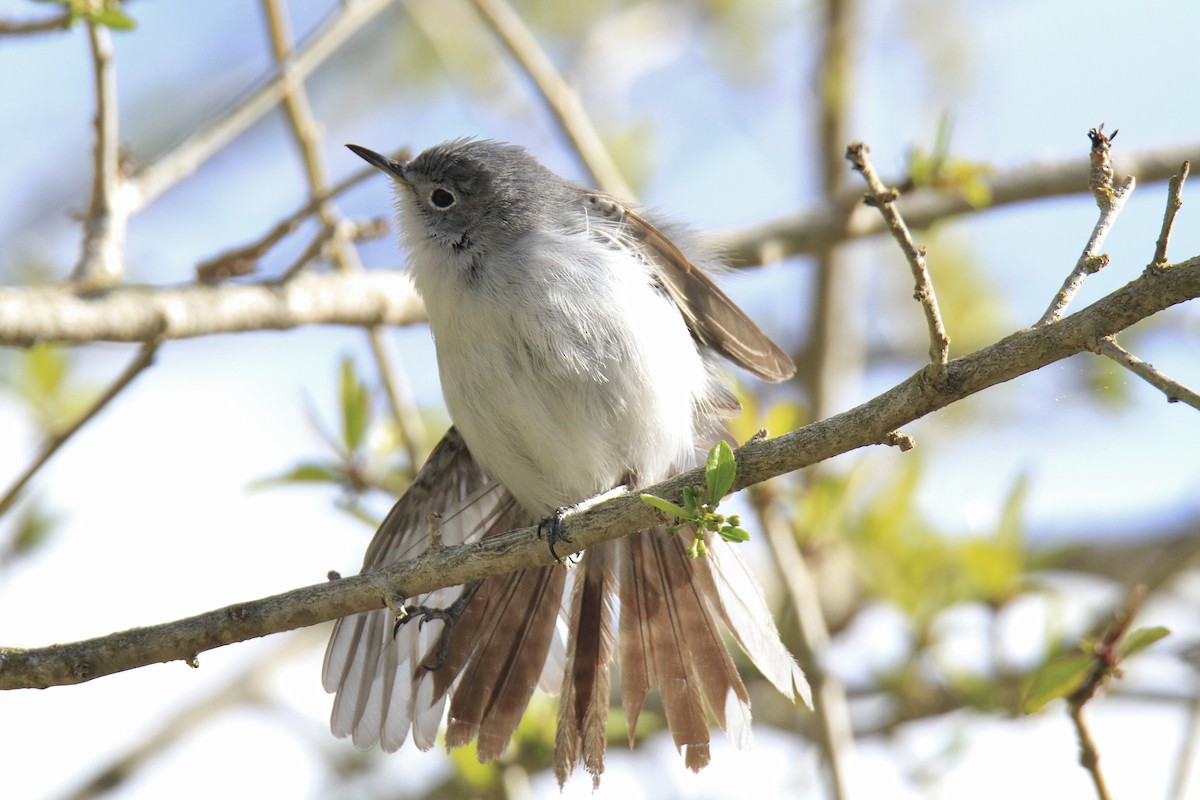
(551, 529)
(449, 616)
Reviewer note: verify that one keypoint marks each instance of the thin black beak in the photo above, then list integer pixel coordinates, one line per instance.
(382, 162)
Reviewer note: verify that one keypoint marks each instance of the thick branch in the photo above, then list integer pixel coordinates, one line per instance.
(138, 313)
(869, 423)
(810, 230)
(46, 318)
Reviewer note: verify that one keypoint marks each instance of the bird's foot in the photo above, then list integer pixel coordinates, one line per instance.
(449, 616)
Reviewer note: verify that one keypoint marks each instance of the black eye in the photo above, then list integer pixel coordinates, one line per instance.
(441, 198)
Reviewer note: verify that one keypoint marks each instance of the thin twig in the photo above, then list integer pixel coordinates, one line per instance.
(247, 687)
(835, 730)
(1104, 666)
(21, 27)
(102, 256)
(409, 424)
(834, 355)
(559, 96)
(1089, 754)
(160, 175)
(346, 229)
(1174, 202)
(1188, 746)
(240, 260)
(1111, 200)
(885, 200)
(144, 358)
(1175, 391)
(1017, 354)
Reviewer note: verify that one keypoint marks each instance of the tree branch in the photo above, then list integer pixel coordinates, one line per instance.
(144, 359)
(870, 423)
(1174, 390)
(102, 258)
(242, 260)
(834, 728)
(155, 178)
(307, 134)
(138, 313)
(1111, 200)
(1174, 203)
(1106, 663)
(810, 230)
(40, 314)
(21, 27)
(559, 96)
(885, 200)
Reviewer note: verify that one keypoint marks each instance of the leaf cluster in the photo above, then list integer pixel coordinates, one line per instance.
(108, 13)
(699, 509)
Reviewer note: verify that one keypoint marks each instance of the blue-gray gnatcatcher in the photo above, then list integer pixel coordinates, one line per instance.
(576, 345)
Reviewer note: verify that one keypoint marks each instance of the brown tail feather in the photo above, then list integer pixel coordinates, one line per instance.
(639, 672)
(707, 651)
(583, 707)
(509, 652)
(656, 629)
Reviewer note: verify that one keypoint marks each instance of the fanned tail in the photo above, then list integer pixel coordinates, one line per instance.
(668, 632)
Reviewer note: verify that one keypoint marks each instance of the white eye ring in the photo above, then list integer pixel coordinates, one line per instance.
(442, 198)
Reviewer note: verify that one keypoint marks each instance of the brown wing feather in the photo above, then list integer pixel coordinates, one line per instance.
(714, 320)
(365, 662)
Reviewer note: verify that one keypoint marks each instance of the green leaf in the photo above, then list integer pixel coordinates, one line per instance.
(43, 379)
(302, 473)
(112, 17)
(732, 533)
(664, 505)
(689, 501)
(1055, 679)
(355, 407)
(34, 528)
(1138, 640)
(45, 370)
(719, 471)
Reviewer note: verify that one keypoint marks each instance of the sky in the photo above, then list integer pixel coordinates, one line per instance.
(157, 521)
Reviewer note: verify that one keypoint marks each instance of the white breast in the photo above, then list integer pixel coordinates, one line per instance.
(566, 371)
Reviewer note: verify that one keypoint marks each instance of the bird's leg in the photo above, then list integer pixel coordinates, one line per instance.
(551, 528)
(449, 617)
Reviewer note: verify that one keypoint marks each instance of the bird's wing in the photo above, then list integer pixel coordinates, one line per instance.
(714, 320)
(383, 691)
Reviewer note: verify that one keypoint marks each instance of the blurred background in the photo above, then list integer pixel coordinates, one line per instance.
(239, 466)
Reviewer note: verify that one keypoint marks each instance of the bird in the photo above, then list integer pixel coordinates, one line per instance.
(578, 342)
